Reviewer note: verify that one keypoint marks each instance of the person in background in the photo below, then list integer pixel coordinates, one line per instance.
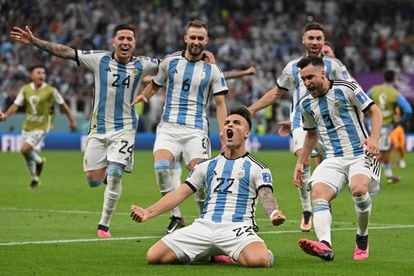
(38, 99)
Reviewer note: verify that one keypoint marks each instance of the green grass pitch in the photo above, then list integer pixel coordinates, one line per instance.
(52, 230)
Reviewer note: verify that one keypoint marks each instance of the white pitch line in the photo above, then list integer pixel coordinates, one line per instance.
(127, 214)
(157, 237)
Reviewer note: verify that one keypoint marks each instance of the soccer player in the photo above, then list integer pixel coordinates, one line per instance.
(110, 144)
(328, 49)
(234, 181)
(388, 98)
(38, 99)
(313, 39)
(333, 110)
(190, 83)
(398, 145)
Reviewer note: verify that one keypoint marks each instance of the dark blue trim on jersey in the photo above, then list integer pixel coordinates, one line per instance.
(184, 94)
(222, 196)
(119, 97)
(243, 193)
(103, 90)
(201, 94)
(172, 67)
(210, 175)
(137, 78)
(295, 108)
(332, 134)
(348, 122)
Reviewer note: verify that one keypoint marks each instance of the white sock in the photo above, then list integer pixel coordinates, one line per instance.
(31, 167)
(322, 220)
(112, 193)
(304, 193)
(363, 206)
(168, 180)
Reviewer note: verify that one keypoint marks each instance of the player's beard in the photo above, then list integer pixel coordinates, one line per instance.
(195, 51)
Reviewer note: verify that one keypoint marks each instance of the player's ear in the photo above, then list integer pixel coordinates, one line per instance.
(247, 135)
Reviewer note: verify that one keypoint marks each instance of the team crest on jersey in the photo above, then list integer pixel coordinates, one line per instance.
(267, 178)
(202, 75)
(240, 174)
(337, 104)
(135, 72)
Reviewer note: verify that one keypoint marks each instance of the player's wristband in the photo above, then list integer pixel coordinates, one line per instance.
(274, 212)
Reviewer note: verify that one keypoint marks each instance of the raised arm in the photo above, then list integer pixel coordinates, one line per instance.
(271, 96)
(26, 37)
(166, 203)
(239, 73)
(221, 111)
(270, 206)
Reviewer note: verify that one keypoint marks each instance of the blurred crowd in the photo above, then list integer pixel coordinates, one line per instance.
(369, 36)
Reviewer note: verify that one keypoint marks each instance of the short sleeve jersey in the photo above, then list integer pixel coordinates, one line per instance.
(38, 103)
(189, 87)
(116, 86)
(231, 187)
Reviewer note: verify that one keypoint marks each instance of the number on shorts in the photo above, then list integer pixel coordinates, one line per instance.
(248, 230)
(125, 146)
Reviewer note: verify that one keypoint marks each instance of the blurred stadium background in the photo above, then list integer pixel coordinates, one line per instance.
(369, 37)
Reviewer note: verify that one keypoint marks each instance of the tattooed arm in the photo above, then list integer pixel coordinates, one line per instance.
(270, 206)
(26, 37)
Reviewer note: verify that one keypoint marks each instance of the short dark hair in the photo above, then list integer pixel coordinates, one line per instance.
(311, 59)
(37, 66)
(245, 113)
(197, 24)
(314, 26)
(389, 76)
(123, 27)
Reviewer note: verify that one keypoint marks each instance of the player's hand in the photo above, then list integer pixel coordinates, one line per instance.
(370, 147)
(140, 98)
(23, 36)
(251, 70)
(208, 57)
(297, 175)
(138, 214)
(278, 218)
(284, 128)
(3, 116)
(73, 126)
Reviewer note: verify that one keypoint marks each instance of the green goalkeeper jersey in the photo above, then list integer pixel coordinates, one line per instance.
(385, 97)
(38, 104)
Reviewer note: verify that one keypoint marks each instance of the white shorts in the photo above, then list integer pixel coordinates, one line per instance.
(204, 238)
(191, 143)
(384, 142)
(298, 140)
(336, 172)
(34, 138)
(117, 147)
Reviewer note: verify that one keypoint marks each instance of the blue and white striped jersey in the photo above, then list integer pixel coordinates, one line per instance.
(116, 86)
(189, 87)
(338, 118)
(231, 187)
(291, 81)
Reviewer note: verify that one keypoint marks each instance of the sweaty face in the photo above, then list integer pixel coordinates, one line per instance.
(196, 40)
(38, 76)
(235, 131)
(313, 40)
(313, 77)
(124, 44)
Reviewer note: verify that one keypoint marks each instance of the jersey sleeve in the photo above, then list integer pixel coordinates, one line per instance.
(19, 98)
(359, 98)
(339, 71)
(263, 177)
(307, 118)
(58, 97)
(286, 80)
(90, 59)
(219, 84)
(150, 66)
(162, 74)
(196, 177)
